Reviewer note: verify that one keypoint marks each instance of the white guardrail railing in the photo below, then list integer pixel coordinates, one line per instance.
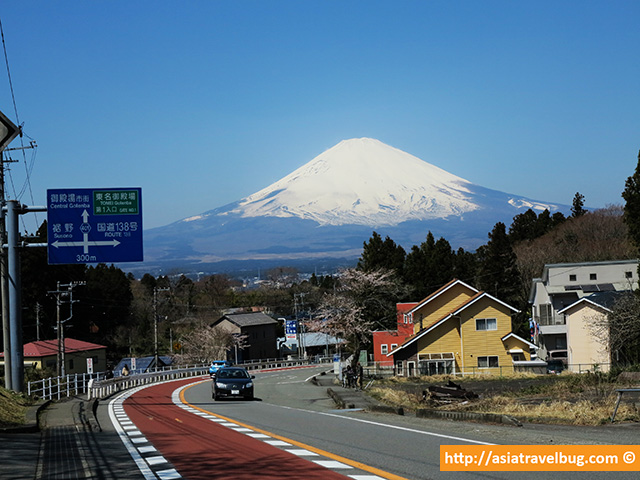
(97, 385)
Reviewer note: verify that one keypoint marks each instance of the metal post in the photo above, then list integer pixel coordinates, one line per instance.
(4, 291)
(59, 368)
(15, 303)
(155, 327)
(155, 324)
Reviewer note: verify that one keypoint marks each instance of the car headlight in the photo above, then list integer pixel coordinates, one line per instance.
(221, 385)
(248, 385)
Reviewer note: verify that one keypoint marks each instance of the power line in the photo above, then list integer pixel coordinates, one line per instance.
(6, 61)
(28, 169)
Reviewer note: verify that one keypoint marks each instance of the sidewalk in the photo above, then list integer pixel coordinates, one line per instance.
(351, 398)
(71, 438)
(62, 440)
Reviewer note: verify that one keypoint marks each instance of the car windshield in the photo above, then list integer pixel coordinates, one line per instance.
(233, 374)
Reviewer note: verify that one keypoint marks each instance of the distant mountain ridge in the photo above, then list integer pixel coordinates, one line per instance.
(328, 207)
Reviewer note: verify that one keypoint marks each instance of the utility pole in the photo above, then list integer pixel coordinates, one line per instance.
(60, 324)
(38, 306)
(155, 322)
(4, 284)
(10, 269)
(299, 328)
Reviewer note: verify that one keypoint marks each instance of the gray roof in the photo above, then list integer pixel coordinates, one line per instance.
(249, 319)
(317, 339)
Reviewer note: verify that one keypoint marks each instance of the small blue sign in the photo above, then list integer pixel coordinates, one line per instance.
(291, 329)
(94, 225)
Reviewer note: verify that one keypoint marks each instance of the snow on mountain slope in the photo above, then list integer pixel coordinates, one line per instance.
(328, 207)
(362, 182)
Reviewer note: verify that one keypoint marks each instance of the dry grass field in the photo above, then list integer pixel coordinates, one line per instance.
(573, 399)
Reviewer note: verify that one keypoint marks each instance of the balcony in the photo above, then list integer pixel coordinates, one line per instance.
(551, 319)
(552, 324)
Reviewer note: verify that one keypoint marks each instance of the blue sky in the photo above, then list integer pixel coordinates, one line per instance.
(201, 103)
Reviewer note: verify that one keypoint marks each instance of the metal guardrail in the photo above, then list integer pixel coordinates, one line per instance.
(54, 388)
(274, 363)
(97, 385)
(104, 388)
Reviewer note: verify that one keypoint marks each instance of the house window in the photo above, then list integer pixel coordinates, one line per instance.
(593, 276)
(394, 346)
(545, 314)
(436, 367)
(628, 274)
(488, 362)
(573, 278)
(486, 324)
(384, 349)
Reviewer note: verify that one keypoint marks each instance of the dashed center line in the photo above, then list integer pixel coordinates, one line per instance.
(154, 466)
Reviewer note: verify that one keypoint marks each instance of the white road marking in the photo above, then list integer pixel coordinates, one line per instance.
(393, 427)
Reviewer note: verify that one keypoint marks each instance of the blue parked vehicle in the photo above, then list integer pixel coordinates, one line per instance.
(217, 365)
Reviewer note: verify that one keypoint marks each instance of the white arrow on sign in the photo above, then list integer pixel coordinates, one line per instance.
(85, 243)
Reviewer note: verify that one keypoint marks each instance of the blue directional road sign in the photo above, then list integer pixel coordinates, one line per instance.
(291, 329)
(94, 225)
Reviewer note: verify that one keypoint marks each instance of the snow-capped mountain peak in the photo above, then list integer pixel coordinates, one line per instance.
(362, 181)
(328, 207)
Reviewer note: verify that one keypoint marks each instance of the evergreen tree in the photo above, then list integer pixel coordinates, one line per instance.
(498, 272)
(556, 219)
(464, 266)
(577, 209)
(529, 226)
(631, 215)
(103, 305)
(378, 254)
(149, 282)
(524, 226)
(429, 266)
(38, 279)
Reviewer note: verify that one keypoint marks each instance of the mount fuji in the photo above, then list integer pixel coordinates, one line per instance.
(328, 207)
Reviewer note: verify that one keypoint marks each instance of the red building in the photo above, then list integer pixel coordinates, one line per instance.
(385, 341)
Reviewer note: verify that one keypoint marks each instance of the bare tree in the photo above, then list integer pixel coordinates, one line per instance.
(201, 345)
(622, 327)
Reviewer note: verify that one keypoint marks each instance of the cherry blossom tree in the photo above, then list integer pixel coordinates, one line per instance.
(204, 344)
(364, 302)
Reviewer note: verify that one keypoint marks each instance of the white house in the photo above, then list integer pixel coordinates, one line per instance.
(564, 284)
(587, 336)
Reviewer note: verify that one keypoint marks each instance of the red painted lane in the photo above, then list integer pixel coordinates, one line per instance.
(202, 449)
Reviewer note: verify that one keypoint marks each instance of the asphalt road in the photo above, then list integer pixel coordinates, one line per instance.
(290, 407)
(292, 430)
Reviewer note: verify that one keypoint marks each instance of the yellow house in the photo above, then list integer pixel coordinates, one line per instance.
(459, 329)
